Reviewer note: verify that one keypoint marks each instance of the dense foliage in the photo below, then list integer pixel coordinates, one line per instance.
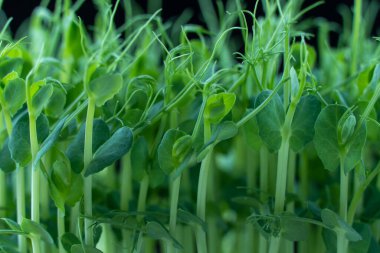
(170, 137)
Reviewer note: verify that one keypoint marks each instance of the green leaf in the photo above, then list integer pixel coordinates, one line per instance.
(7, 164)
(56, 104)
(361, 246)
(19, 141)
(294, 82)
(218, 106)
(348, 128)
(76, 189)
(329, 218)
(104, 88)
(78, 248)
(11, 224)
(14, 95)
(66, 186)
(41, 98)
(112, 150)
(68, 240)
(270, 120)
(327, 144)
(224, 131)
(251, 134)
(75, 151)
(293, 229)
(140, 161)
(157, 231)
(336, 223)
(167, 158)
(187, 217)
(326, 136)
(49, 141)
(7, 65)
(35, 228)
(303, 122)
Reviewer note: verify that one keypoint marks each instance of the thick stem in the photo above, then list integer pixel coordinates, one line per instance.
(88, 180)
(252, 165)
(44, 191)
(3, 194)
(341, 239)
(3, 177)
(125, 193)
(144, 186)
(74, 219)
(20, 199)
(126, 182)
(202, 192)
(35, 189)
(60, 228)
(287, 86)
(291, 178)
(264, 173)
(355, 35)
(291, 189)
(175, 187)
(358, 196)
(282, 169)
(279, 203)
(141, 203)
(264, 188)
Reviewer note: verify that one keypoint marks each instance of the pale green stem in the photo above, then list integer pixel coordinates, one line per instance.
(88, 180)
(358, 196)
(60, 228)
(3, 194)
(126, 182)
(144, 186)
(282, 167)
(202, 192)
(291, 178)
(35, 243)
(74, 219)
(343, 200)
(3, 176)
(355, 35)
(44, 191)
(290, 189)
(175, 187)
(264, 188)
(35, 189)
(126, 193)
(141, 204)
(20, 199)
(252, 168)
(287, 86)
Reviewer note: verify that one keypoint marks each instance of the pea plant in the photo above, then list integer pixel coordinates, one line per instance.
(165, 136)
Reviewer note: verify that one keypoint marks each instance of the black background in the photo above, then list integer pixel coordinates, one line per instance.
(22, 9)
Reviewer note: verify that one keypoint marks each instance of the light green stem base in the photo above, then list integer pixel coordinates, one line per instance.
(20, 196)
(60, 228)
